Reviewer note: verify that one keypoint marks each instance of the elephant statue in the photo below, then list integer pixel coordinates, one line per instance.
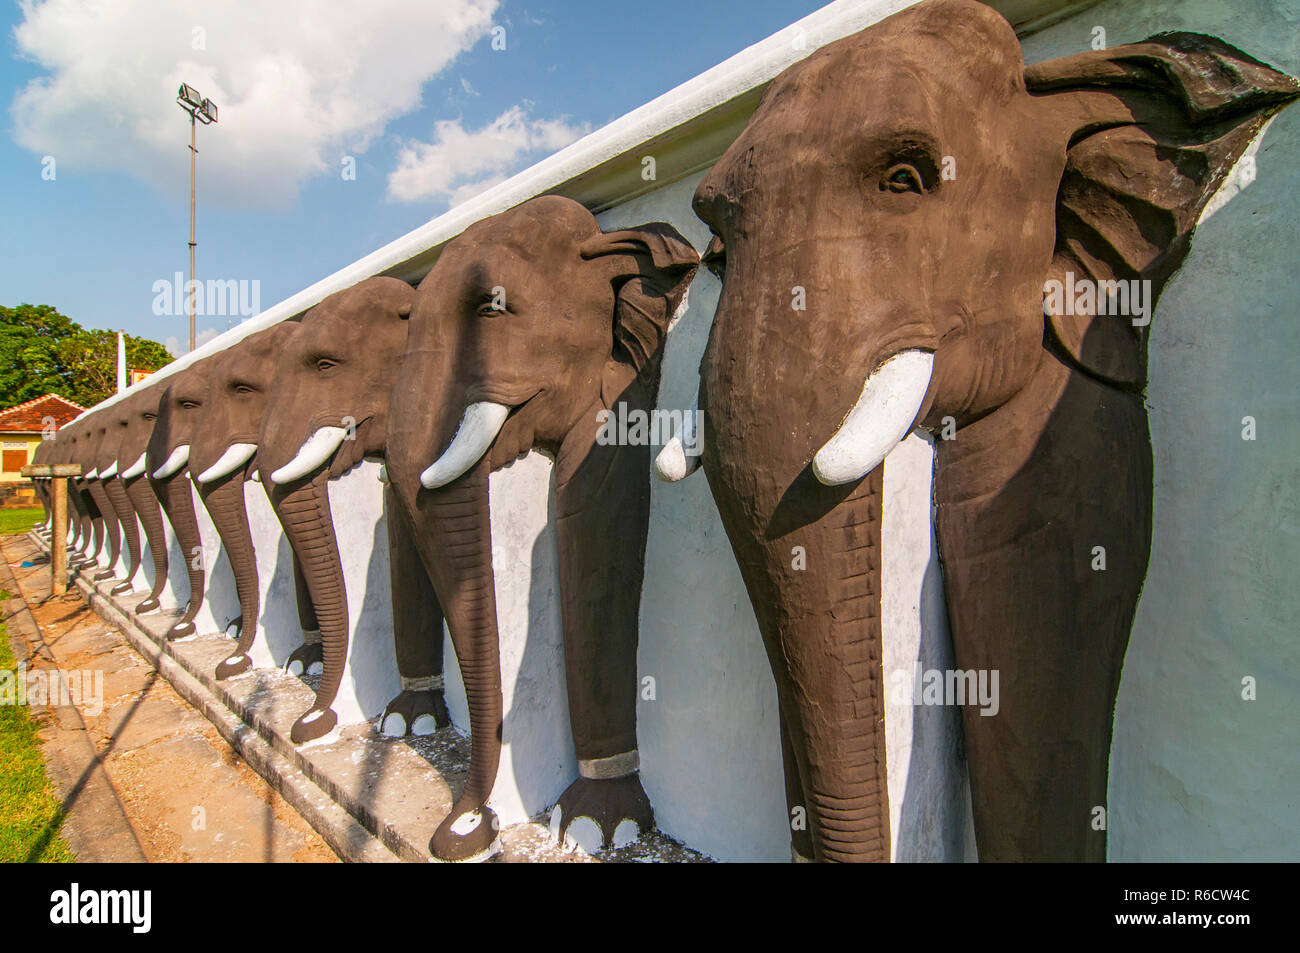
(180, 411)
(222, 451)
(930, 195)
(87, 525)
(60, 451)
(138, 412)
(95, 435)
(532, 327)
(327, 411)
(114, 422)
(40, 457)
(93, 532)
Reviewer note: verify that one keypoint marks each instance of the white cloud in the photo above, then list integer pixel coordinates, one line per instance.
(460, 163)
(176, 347)
(299, 83)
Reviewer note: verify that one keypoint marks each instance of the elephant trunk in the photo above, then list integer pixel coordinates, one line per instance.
(456, 518)
(304, 511)
(800, 497)
(816, 594)
(109, 521)
(92, 527)
(76, 519)
(224, 500)
(126, 517)
(145, 504)
(178, 503)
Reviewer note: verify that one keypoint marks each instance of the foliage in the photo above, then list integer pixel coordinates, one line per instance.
(30, 814)
(19, 520)
(42, 350)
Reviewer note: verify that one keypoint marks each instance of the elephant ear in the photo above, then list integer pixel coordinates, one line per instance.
(1154, 129)
(654, 267)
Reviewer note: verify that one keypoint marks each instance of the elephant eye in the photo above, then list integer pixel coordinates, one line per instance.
(490, 309)
(243, 389)
(190, 404)
(903, 177)
(324, 363)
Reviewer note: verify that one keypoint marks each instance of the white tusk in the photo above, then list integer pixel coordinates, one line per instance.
(92, 475)
(236, 455)
(884, 414)
(135, 469)
(314, 451)
(110, 472)
(478, 428)
(673, 462)
(180, 456)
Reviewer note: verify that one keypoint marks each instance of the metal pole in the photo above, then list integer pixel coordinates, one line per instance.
(193, 152)
(59, 541)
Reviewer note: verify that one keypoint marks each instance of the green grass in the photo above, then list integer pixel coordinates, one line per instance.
(30, 815)
(19, 520)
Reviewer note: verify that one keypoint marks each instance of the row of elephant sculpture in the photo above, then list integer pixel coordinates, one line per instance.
(923, 308)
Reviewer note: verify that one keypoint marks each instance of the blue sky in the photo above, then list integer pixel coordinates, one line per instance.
(408, 89)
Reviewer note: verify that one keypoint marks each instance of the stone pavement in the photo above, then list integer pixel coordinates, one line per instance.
(370, 798)
(143, 776)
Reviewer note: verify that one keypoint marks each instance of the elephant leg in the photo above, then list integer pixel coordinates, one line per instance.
(177, 501)
(146, 508)
(98, 534)
(602, 514)
(455, 541)
(76, 525)
(46, 508)
(420, 709)
(130, 533)
(308, 658)
(111, 530)
(1031, 601)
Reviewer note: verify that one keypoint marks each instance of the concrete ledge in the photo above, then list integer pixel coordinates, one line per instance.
(372, 799)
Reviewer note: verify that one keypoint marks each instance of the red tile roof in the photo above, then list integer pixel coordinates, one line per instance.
(30, 416)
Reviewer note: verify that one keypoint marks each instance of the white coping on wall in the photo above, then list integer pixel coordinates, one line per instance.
(687, 129)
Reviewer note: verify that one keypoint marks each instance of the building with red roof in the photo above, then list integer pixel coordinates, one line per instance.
(22, 428)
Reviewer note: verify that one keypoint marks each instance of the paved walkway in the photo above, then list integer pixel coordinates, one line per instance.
(144, 776)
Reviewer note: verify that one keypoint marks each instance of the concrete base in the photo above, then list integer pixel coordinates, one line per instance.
(372, 799)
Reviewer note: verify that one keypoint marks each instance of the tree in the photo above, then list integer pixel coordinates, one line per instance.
(42, 350)
(31, 362)
(94, 355)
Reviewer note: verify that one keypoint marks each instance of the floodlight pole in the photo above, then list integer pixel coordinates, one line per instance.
(193, 153)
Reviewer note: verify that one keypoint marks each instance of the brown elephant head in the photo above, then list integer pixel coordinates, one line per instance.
(222, 448)
(887, 226)
(532, 326)
(180, 412)
(328, 410)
